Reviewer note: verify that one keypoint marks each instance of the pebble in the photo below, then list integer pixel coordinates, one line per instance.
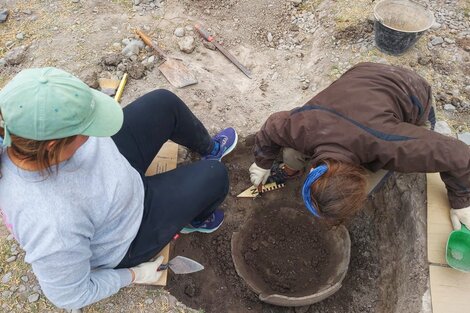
(449, 107)
(208, 100)
(22, 288)
(6, 278)
(443, 128)
(270, 37)
(11, 259)
(186, 44)
(179, 32)
(436, 25)
(33, 298)
(3, 15)
(24, 278)
(465, 137)
(437, 41)
(15, 56)
(75, 1)
(6, 294)
(10, 237)
(148, 301)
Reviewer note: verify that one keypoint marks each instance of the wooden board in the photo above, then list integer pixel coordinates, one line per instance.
(439, 225)
(450, 290)
(165, 160)
(376, 179)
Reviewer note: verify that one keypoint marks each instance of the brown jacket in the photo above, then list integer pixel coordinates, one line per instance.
(370, 116)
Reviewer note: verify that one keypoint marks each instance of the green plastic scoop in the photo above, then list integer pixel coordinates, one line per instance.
(458, 249)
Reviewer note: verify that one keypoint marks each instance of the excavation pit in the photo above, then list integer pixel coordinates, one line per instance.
(388, 271)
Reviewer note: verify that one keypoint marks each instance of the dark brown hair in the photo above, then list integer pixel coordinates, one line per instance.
(36, 151)
(340, 192)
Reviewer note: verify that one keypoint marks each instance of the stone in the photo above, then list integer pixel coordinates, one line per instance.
(90, 77)
(148, 301)
(6, 278)
(24, 278)
(15, 56)
(20, 36)
(6, 294)
(449, 107)
(111, 59)
(443, 128)
(136, 70)
(132, 48)
(11, 259)
(296, 2)
(186, 44)
(179, 32)
(2, 62)
(3, 15)
(270, 37)
(465, 137)
(437, 41)
(33, 298)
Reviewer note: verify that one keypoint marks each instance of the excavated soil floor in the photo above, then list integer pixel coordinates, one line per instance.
(387, 271)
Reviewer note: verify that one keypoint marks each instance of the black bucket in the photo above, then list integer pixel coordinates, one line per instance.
(399, 24)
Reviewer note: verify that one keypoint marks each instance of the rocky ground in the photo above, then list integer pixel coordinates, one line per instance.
(294, 48)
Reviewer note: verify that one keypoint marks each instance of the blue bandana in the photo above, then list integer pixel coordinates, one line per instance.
(312, 177)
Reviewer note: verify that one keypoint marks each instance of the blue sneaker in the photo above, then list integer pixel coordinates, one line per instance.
(211, 224)
(226, 140)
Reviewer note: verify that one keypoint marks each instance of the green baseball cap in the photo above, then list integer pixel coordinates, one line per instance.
(49, 103)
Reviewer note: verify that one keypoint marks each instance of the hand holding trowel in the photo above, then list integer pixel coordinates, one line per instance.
(173, 69)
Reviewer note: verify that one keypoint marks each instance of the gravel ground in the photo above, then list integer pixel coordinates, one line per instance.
(294, 48)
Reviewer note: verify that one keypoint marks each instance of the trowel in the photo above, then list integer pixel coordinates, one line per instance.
(458, 249)
(182, 265)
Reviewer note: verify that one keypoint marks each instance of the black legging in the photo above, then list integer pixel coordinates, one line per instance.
(177, 197)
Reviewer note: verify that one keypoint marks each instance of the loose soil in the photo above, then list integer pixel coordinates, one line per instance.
(288, 250)
(387, 272)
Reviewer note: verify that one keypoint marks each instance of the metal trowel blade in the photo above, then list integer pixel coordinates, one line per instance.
(183, 265)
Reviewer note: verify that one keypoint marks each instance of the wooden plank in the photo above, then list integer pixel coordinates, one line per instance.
(374, 180)
(450, 290)
(165, 160)
(439, 225)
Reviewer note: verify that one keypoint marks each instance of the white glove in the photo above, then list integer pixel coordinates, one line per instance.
(258, 175)
(460, 216)
(146, 273)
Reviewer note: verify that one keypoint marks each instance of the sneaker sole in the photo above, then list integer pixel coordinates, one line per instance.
(199, 230)
(231, 147)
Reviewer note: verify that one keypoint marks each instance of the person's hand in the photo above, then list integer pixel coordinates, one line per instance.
(258, 175)
(460, 216)
(146, 273)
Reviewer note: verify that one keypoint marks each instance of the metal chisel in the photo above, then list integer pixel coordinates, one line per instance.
(224, 51)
